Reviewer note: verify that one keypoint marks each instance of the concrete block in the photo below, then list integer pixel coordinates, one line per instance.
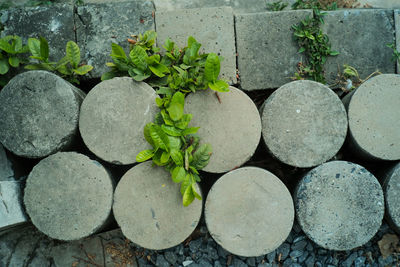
(339, 205)
(212, 27)
(249, 212)
(230, 122)
(97, 26)
(391, 189)
(39, 114)
(267, 53)
(113, 116)
(107, 249)
(69, 196)
(11, 208)
(373, 114)
(350, 32)
(55, 23)
(148, 208)
(304, 123)
(6, 171)
(397, 24)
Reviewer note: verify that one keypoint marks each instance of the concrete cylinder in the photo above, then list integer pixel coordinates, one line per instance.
(228, 121)
(391, 189)
(374, 118)
(69, 196)
(148, 208)
(339, 205)
(113, 116)
(39, 114)
(303, 123)
(249, 212)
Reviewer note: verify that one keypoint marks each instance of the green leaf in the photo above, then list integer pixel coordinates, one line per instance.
(212, 68)
(178, 174)
(117, 51)
(196, 195)
(188, 196)
(144, 155)
(334, 53)
(168, 45)
(138, 56)
(219, 86)
(174, 142)
(166, 118)
(165, 91)
(159, 138)
(14, 61)
(82, 70)
(159, 69)
(6, 47)
(44, 49)
(177, 157)
(73, 54)
(160, 102)
(171, 130)
(184, 121)
(4, 67)
(17, 44)
(201, 156)
(108, 75)
(176, 106)
(301, 50)
(164, 157)
(146, 133)
(191, 130)
(34, 47)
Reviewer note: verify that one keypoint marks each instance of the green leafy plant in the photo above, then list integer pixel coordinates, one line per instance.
(276, 6)
(68, 67)
(396, 53)
(173, 74)
(312, 4)
(312, 42)
(11, 48)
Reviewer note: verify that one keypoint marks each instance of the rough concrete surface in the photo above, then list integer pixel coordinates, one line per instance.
(113, 116)
(98, 25)
(55, 23)
(374, 118)
(339, 205)
(304, 123)
(148, 208)
(69, 196)
(211, 27)
(267, 53)
(249, 212)
(230, 122)
(350, 33)
(38, 114)
(391, 190)
(6, 171)
(11, 208)
(108, 249)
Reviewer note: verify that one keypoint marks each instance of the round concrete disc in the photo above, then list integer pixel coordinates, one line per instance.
(68, 196)
(339, 205)
(230, 123)
(148, 208)
(113, 116)
(392, 196)
(38, 114)
(304, 123)
(249, 212)
(374, 117)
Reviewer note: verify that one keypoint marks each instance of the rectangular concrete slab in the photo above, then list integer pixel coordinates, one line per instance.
(54, 22)
(99, 25)
(212, 27)
(11, 210)
(397, 24)
(267, 53)
(360, 35)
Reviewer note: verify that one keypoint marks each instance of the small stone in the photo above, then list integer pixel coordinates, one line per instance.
(322, 251)
(187, 263)
(359, 262)
(195, 245)
(284, 250)
(212, 253)
(295, 265)
(222, 252)
(318, 264)
(238, 263)
(349, 260)
(271, 256)
(260, 258)
(296, 254)
(300, 245)
(265, 265)
(310, 247)
(303, 257)
(205, 263)
(251, 261)
(217, 264)
(170, 257)
(310, 261)
(288, 262)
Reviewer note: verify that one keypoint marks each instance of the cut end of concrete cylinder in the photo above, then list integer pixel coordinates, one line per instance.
(69, 196)
(374, 117)
(148, 208)
(113, 116)
(38, 114)
(249, 212)
(392, 197)
(230, 122)
(339, 205)
(304, 123)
